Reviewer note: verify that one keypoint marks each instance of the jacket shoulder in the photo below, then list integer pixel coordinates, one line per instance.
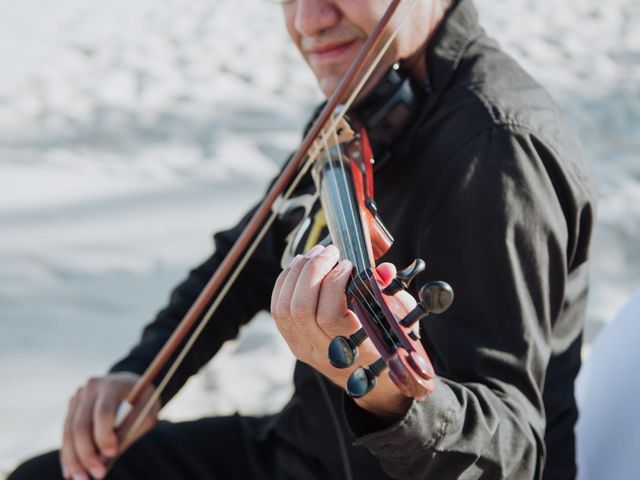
(489, 90)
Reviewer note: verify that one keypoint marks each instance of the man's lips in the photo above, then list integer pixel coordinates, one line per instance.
(329, 51)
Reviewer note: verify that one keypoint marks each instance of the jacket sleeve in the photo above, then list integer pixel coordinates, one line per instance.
(495, 226)
(250, 294)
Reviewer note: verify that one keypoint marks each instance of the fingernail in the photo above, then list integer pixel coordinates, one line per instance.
(295, 260)
(79, 476)
(65, 472)
(97, 472)
(109, 452)
(314, 251)
(345, 265)
(330, 251)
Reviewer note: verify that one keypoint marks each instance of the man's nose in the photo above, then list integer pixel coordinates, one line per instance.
(315, 16)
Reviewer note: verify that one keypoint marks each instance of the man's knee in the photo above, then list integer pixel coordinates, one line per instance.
(43, 467)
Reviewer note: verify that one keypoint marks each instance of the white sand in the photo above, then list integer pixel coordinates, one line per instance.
(129, 131)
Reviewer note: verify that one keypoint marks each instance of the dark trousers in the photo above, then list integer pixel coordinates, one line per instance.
(223, 448)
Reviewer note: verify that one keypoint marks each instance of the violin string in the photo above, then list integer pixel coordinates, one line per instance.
(351, 202)
(348, 244)
(353, 252)
(355, 244)
(356, 252)
(355, 249)
(311, 158)
(349, 253)
(367, 305)
(372, 311)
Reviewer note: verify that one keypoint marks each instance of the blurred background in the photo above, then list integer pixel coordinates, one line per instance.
(132, 130)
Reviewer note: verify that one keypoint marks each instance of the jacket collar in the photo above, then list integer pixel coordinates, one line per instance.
(449, 43)
(444, 51)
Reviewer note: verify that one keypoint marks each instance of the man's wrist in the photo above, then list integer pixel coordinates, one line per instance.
(363, 422)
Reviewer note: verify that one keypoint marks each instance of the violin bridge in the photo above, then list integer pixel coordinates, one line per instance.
(333, 136)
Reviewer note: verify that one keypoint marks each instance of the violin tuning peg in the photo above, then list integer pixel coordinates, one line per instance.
(405, 276)
(362, 380)
(344, 351)
(435, 297)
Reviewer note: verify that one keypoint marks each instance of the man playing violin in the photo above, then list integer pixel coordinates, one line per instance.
(484, 179)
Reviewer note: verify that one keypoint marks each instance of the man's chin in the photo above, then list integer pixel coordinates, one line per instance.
(328, 84)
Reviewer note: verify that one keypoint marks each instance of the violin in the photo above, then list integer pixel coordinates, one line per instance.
(344, 179)
(336, 150)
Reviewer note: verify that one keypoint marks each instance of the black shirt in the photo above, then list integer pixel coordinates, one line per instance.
(489, 185)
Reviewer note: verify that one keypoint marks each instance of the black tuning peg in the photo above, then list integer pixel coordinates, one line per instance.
(435, 297)
(362, 380)
(404, 277)
(344, 351)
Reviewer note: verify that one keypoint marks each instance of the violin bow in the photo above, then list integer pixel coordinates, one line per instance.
(255, 230)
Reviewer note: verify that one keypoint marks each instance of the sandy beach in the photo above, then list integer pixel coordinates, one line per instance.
(129, 132)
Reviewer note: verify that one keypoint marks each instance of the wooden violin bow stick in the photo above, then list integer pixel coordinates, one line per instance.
(247, 236)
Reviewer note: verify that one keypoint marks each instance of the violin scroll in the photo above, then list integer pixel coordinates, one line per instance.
(397, 340)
